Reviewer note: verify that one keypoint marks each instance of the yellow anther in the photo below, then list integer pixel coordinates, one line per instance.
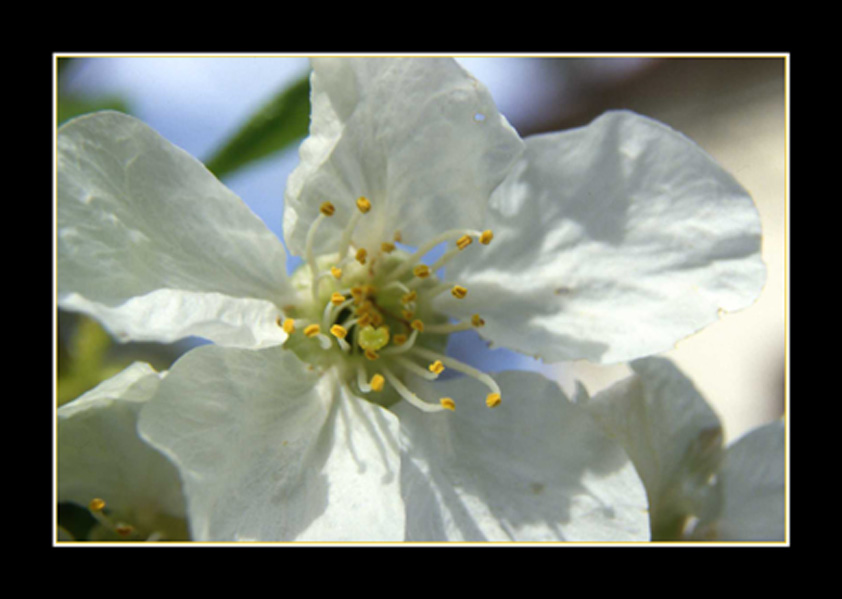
(371, 355)
(397, 237)
(493, 400)
(477, 321)
(327, 209)
(337, 298)
(364, 307)
(407, 314)
(124, 530)
(336, 272)
(376, 319)
(96, 505)
(339, 331)
(377, 382)
(447, 403)
(486, 237)
(399, 339)
(436, 367)
(459, 292)
(289, 326)
(312, 330)
(417, 325)
(364, 320)
(363, 204)
(357, 292)
(361, 255)
(464, 242)
(387, 247)
(421, 271)
(410, 297)
(369, 289)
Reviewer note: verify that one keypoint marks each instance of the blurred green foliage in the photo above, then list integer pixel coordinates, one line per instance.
(277, 124)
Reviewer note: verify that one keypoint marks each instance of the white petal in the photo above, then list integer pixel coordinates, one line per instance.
(671, 434)
(100, 454)
(270, 450)
(612, 241)
(138, 217)
(752, 482)
(419, 137)
(535, 468)
(167, 315)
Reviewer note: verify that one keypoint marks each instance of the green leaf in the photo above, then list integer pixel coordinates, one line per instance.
(282, 121)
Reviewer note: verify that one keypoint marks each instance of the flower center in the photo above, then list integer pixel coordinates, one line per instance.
(370, 317)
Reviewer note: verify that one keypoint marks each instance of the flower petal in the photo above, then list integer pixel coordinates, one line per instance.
(100, 454)
(271, 450)
(752, 482)
(140, 218)
(535, 468)
(672, 436)
(419, 137)
(612, 242)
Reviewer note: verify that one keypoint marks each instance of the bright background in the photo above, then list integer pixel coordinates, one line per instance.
(734, 107)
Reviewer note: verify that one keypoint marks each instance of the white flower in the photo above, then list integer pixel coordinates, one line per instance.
(133, 490)
(697, 488)
(609, 242)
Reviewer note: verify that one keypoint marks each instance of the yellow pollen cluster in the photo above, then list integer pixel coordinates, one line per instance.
(336, 272)
(363, 204)
(289, 326)
(486, 237)
(327, 209)
(312, 330)
(421, 271)
(336, 298)
(377, 382)
(447, 403)
(477, 321)
(361, 255)
(464, 242)
(338, 331)
(493, 400)
(436, 367)
(459, 292)
(387, 247)
(96, 505)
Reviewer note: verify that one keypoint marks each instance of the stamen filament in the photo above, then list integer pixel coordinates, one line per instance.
(446, 329)
(425, 248)
(461, 367)
(362, 380)
(416, 368)
(403, 347)
(409, 395)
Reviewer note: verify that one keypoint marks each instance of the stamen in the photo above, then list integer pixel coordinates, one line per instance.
(363, 206)
(416, 369)
(422, 271)
(477, 321)
(464, 242)
(447, 403)
(326, 210)
(404, 345)
(417, 325)
(486, 237)
(399, 339)
(337, 298)
(361, 255)
(336, 272)
(410, 297)
(387, 247)
(96, 505)
(457, 234)
(371, 355)
(409, 395)
(377, 382)
(312, 330)
(465, 369)
(362, 382)
(446, 329)
(436, 367)
(459, 292)
(289, 326)
(338, 331)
